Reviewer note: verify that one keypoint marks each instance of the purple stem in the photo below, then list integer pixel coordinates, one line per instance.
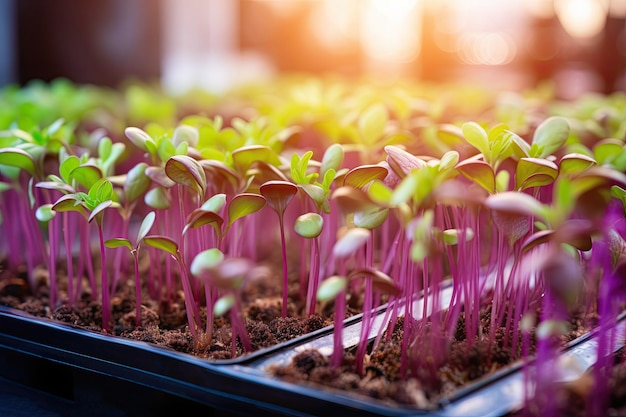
(68, 258)
(366, 326)
(137, 289)
(314, 279)
(106, 304)
(193, 315)
(340, 312)
(284, 258)
(85, 245)
(239, 328)
(52, 239)
(209, 312)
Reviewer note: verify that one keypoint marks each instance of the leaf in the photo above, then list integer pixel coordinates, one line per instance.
(278, 194)
(480, 172)
(231, 273)
(574, 163)
(350, 242)
(317, 193)
(370, 218)
(299, 168)
(619, 193)
(451, 236)
(165, 149)
(243, 205)
(104, 148)
(502, 181)
(351, 199)
(606, 150)
(223, 305)
(157, 175)
(476, 136)
(45, 213)
(139, 138)
(101, 190)
(332, 159)
(162, 242)
(536, 239)
(401, 161)
(331, 287)
(596, 177)
(381, 282)
(17, 158)
(519, 146)
(550, 135)
(86, 175)
(448, 160)
(66, 168)
(309, 225)
(55, 127)
(214, 203)
(552, 327)
(405, 190)
(145, 226)
(157, 198)
(186, 171)
(379, 193)
(186, 133)
(199, 217)
(515, 203)
(362, 175)
(118, 242)
(53, 185)
(245, 156)
(534, 172)
(136, 182)
(97, 212)
(182, 149)
(69, 202)
(206, 261)
(372, 123)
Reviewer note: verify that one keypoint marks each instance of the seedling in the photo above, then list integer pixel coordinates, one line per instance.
(145, 227)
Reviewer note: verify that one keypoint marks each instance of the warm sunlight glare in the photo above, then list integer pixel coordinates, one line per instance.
(540, 8)
(494, 48)
(582, 19)
(390, 30)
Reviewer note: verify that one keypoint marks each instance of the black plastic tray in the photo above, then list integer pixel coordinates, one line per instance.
(117, 376)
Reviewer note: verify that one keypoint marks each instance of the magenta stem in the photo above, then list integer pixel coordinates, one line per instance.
(137, 290)
(285, 272)
(106, 304)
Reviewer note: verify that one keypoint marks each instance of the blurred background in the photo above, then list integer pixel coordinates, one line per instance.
(579, 45)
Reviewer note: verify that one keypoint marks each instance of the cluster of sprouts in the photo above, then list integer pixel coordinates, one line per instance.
(368, 195)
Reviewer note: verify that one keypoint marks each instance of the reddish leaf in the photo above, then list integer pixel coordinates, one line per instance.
(480, 172)
(360, 176)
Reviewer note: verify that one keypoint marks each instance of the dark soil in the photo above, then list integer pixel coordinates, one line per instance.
(165, 323)
(430, 378)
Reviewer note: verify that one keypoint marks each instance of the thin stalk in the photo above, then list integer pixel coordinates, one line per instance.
(193, 315)
(106, 303)
(238, 328)
(340, 312)
(314, 278)
(68, 258)
(208, 295)
(85, 245)
(137, 290)
(52, 239)
(284, 259)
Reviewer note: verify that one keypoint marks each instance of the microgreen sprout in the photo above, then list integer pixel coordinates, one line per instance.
(278, 195)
